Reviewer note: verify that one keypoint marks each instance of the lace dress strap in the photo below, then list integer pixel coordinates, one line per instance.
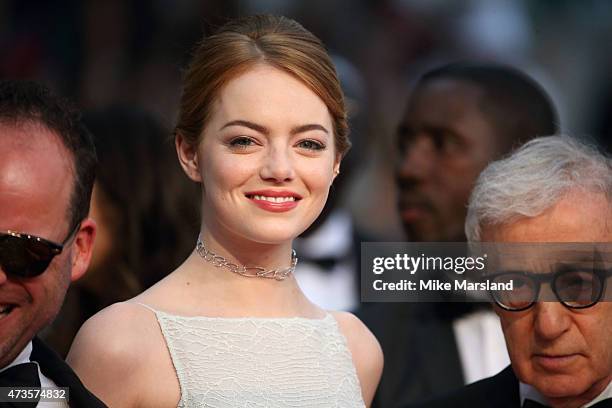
(146, 306)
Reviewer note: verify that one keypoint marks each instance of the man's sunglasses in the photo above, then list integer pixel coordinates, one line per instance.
(27, 256)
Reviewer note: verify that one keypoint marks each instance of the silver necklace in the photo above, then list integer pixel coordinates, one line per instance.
(248, 271)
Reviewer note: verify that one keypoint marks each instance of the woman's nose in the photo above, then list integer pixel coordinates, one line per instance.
(278, 165)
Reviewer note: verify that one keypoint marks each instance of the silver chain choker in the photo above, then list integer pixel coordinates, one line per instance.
(248, 271)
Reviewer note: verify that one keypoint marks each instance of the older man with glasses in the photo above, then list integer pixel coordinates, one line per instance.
(47, 165)
(550, 206)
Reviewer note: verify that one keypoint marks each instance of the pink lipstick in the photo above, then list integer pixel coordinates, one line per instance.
(274, 200)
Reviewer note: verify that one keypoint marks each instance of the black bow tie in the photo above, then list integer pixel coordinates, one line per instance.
(607, 403)
(20, 375)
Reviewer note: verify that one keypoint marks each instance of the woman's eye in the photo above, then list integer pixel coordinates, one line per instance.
(311, 145)
(241, 142)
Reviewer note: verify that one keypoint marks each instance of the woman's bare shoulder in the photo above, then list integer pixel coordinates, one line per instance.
(114, 347)
(366, 351)
(112, 335)
(115, 327)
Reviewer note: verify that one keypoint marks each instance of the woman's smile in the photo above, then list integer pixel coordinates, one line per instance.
(274, 200)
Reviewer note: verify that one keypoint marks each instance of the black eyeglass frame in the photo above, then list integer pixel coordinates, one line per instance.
(54, 248)
(539, 278)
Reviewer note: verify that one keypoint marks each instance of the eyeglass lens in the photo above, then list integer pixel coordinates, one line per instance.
(575, 289)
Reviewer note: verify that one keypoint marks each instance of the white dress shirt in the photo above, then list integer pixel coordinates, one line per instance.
(481, 344)
(335, 289)
(529, 392)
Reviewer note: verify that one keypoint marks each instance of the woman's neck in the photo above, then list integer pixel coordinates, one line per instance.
(231, 294)
(247, 253)
(222, 292)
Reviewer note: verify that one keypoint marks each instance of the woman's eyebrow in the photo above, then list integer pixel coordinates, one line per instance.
(264, 130)
(307, 128)
(246, 123)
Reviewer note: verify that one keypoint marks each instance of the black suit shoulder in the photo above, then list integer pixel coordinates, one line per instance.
(499, 391)
(421, 355)
(55, 368)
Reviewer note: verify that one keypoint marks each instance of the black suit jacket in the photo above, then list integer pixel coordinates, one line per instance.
(52, 366)
(499, 391)
(421, 355)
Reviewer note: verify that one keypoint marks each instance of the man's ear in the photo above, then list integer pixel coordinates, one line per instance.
(188, 157)
(82, 248)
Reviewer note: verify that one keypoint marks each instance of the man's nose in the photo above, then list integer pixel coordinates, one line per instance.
(278, 165)
(417, 161)
(552, 319)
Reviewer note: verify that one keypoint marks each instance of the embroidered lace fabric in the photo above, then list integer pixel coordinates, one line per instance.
(260, 362)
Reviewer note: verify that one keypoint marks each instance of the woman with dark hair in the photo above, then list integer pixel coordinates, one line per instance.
(262, 128)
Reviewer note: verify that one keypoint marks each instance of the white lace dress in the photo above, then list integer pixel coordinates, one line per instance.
(260, 362)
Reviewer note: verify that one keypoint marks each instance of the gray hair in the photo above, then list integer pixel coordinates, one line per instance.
(533, 179)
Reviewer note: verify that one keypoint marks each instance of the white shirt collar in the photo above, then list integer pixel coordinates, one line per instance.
(23, 357)
(529, 392)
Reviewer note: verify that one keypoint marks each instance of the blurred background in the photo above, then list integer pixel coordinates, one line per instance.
(131, 52)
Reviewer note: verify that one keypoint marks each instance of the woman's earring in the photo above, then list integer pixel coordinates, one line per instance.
(336, 172)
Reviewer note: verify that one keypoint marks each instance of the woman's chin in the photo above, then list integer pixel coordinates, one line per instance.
(274, 233)
(259, 230)
(271, 238)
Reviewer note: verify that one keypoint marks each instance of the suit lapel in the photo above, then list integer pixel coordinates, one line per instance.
(437, 343)
(504, 390)
(422, 347)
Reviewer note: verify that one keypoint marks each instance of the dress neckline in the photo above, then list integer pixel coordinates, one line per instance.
(325, 318)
